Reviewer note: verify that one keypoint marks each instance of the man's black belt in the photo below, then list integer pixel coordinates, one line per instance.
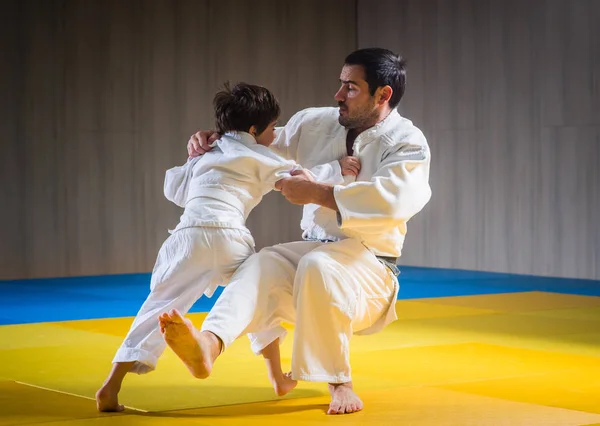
(390, 262)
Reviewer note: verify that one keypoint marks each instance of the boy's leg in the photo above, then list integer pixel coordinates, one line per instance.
(107, 397)
(183, 338)
(179, 279)
(282, 383)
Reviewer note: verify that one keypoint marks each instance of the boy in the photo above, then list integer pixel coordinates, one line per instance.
(217, 191)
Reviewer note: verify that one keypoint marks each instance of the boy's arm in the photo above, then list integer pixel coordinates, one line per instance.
(177, 182)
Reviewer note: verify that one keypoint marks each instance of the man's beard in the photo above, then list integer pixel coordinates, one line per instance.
(365, 117)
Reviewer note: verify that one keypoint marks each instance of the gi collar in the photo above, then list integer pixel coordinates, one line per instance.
(372, 133)
(244, 138)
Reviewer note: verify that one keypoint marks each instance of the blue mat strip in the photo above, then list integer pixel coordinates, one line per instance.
(112, 296)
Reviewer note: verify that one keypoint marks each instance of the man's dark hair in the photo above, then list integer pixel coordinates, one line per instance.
(243, 106)
(382, 68)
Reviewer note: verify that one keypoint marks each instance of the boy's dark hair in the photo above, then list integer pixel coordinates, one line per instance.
(382, 68)
(243, 106)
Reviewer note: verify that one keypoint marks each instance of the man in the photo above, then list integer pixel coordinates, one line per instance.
(341, 280)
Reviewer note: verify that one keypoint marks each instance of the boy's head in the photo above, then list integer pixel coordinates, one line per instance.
(247, 108)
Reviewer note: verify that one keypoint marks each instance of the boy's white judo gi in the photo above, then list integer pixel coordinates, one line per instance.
(342, 280)
(218, 191)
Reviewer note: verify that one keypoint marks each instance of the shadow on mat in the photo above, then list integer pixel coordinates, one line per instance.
(258, 407)
(241, 410)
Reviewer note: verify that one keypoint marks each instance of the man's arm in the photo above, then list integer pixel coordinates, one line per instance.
(324, 196)
(285, 143)
(298, 189)
(287, 137)
(200, 142)
(397, 191)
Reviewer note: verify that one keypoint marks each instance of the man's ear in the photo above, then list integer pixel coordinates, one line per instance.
(253, 131)
(384, 95)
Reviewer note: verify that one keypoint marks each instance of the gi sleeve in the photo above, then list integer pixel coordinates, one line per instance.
(282, 172)
(330, 173)
(287, 137)
(286, 145)
(177, 182)
(396, 192)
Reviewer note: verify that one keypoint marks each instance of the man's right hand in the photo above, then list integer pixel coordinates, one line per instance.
(350, 166)
(199, 142)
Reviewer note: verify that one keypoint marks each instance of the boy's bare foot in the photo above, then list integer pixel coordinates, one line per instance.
(343, 399)
(284, 384)
(197, 350)
(107, 399)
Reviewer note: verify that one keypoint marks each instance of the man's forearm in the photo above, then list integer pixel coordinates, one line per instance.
(323, 195)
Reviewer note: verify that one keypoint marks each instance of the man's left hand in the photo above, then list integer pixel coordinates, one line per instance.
(302, 189)
(305, 174)
(299, 188)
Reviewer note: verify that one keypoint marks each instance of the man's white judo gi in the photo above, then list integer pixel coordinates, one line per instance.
(335, 283)
(218, 191)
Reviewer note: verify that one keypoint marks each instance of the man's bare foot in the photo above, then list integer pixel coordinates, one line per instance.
(284, 384)
(197, 350)
(107, 399)
(343, 399)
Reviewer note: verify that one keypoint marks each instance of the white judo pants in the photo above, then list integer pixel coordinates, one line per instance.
(191, 261)
(329, 290)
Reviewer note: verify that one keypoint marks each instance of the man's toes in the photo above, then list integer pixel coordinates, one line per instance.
(334, 408)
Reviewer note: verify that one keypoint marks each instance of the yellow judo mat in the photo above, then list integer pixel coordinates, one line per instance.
(508, 359)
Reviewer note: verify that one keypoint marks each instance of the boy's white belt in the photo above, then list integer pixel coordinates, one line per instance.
(219, 194)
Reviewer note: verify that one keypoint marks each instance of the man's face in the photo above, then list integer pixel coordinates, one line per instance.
(358, 109)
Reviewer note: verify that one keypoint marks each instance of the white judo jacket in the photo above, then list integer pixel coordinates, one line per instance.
(392, 186)
(236, 173)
